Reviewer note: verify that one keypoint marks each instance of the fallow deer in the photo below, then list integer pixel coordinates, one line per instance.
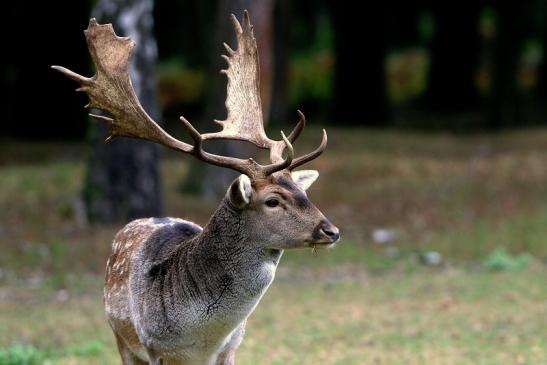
(176, 293)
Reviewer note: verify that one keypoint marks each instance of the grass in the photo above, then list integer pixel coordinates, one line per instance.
(479, 200)
(427, 317)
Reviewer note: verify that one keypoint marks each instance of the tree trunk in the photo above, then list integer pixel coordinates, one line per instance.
(541, 92)
(212, 181)
(24, 71)
(283, 23)
(505, 99)
(402, 24)
(454, 57)
(359, 87)
(123, 180)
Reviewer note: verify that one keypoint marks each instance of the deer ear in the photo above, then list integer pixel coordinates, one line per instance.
(240, 191)
(304, 178)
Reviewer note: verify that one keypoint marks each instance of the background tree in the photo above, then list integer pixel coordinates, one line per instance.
(123, 180)
(542, 31)
(471, 76)
(25, 69)
(359, 88)
(454, 57)
(211, 181)
(505, 103)
(401, 24)
(283, 23)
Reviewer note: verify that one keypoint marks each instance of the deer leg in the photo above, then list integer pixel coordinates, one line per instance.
(153, 358)
(227, 357)
(228, 354)
(128, 358)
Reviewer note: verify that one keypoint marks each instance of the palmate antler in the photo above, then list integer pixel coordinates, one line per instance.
(110, 90)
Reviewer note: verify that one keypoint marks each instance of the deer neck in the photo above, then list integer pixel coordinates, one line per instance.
(233, 265)
(227, 239)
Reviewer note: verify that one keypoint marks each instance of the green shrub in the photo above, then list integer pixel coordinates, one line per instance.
(86, 349)
(20, 355)
(501, 260)
(27, 355)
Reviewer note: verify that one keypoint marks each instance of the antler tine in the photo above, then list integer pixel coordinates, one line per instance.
(237, 26)
(312, 155)
(277, 147)
(299, 127)
(73, 75)
(229, 50)
(248, 167)
(275, 155)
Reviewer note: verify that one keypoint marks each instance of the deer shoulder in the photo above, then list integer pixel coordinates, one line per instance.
(156, 235)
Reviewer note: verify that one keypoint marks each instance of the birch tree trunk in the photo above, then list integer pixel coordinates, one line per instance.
(123, 180)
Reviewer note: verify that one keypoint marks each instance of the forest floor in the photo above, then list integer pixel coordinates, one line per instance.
(402, 201)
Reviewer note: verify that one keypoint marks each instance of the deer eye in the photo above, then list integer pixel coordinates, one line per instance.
(272, 202)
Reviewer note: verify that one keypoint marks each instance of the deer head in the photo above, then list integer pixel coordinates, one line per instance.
(271, 197)
(275, 212)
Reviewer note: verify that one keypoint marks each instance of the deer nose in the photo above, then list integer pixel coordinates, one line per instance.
(330, 230)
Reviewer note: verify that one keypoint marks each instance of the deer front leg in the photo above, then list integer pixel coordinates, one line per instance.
(153, 358)
(227, 357)
(128, 358)
(228, 354)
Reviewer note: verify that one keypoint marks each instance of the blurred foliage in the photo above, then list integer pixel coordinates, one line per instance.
(310, 73)
(311, 69)
(311, 66)
(426, 27)
(19, 354)
(501, 260)
(407, 33)
(311, 76)
(406, 74)
(531, 59)
(177, 83)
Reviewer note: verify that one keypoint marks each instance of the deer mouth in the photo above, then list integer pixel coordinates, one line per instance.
(323, 242)
(321, 245)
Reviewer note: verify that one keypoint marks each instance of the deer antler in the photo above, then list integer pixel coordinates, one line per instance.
(245, 121)
(110, 90)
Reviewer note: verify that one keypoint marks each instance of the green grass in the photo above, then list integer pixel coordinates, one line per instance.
(449, 316)
(478, 200)
(29, 355)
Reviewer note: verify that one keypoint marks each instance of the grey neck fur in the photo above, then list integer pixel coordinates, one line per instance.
(227, 257)
(204, 287)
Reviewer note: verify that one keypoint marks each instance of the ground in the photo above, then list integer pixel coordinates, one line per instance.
(364, 302)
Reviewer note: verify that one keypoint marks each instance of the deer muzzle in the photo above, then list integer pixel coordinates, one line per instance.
(325, 233)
